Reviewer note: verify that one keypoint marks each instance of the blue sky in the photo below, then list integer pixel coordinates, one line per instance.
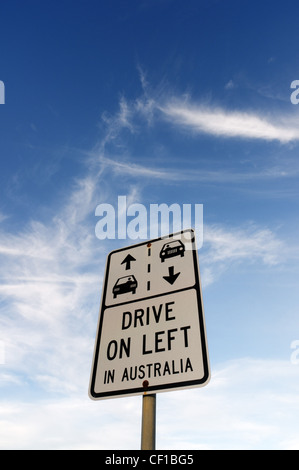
(164, 101)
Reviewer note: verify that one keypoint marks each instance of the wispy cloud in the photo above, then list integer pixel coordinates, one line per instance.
(123, 166)
(224, 247)
(152, 106)
(231, 124)
(253, 243)
(185, 113)
(115, 123)
(47, 292)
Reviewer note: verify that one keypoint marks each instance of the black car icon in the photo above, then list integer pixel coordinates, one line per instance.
(170, 249)
(124, 284)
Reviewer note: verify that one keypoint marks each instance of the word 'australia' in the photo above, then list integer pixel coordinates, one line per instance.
(157, 369)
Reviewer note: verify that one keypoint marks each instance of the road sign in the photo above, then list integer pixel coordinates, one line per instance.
(151, 330)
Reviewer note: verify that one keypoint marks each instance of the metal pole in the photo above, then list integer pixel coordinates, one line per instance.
(148, 430)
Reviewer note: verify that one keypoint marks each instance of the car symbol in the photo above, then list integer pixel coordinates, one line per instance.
(123, 285)
(170, 249)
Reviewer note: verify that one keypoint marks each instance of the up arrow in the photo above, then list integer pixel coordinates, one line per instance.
(171, 278)
(128, 259)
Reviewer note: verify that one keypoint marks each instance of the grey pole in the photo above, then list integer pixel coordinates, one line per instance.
(148, 430)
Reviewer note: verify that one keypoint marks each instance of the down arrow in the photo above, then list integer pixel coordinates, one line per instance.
(171, 278)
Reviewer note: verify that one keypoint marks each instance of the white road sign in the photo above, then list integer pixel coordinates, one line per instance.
(151, 331)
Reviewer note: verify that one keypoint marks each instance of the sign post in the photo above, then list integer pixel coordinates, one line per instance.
(151, 327)
(148, 427)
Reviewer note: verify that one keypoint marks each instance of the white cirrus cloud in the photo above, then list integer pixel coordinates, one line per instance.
(251, 243)
(224, 247)
(238, 124)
